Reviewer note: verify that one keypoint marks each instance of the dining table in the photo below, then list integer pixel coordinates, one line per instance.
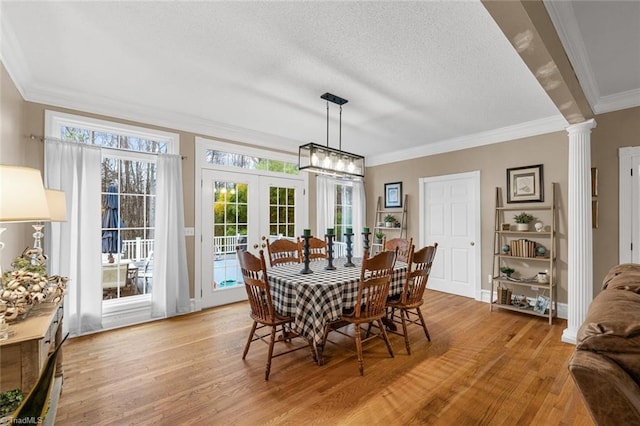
(319, 298)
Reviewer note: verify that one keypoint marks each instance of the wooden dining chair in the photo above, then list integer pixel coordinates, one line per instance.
(401, 244)
(405, 308)
(263, 313)
(283, 251)
(373, 290)
(317, 248)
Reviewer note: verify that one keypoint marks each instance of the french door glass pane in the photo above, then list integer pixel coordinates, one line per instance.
(230, 210)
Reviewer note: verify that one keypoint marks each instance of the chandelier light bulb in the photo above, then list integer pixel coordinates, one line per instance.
(351, 167)
(314, 159)
(327, 162)
(340, 165)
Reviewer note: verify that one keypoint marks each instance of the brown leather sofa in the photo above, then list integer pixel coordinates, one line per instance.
(606, 362)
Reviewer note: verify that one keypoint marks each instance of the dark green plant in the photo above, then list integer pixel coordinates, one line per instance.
(523, 218)
(390, 218)
(379, 235)
(506, 270)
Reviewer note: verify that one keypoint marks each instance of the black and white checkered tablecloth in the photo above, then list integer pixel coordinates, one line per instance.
(318, 298)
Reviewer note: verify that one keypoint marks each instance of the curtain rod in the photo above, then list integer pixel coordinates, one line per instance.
(50, 138)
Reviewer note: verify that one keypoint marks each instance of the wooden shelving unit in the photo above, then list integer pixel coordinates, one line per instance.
(530, 265)
(390, 231)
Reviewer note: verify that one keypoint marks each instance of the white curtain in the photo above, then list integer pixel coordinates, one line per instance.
(170, 293)
(359, 217)
(326, 204)
(75, 245)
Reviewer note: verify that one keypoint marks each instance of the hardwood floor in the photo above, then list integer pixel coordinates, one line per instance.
(499, 368)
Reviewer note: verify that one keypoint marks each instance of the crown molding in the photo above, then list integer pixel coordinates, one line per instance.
(531, 128)
(161, 118)
(623, 100)
(566, 24)
(11, 57)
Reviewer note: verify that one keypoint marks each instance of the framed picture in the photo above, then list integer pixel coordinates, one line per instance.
(594, 214)
(525, 184)
(506, 227)
(594, 182)
(393, 195)
(542, 302)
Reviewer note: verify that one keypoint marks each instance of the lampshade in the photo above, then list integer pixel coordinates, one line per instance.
(22, 196)
(57, 205)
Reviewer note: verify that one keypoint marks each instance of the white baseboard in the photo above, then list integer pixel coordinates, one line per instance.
(562, 307)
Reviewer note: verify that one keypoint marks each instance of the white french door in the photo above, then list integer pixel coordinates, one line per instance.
(237, 209)
(450, 216)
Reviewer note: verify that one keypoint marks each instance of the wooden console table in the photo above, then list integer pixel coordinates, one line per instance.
(23, 355)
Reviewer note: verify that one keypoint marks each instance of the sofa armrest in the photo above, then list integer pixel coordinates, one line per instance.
(611, 396)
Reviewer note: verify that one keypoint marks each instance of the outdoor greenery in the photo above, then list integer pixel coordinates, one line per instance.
(9, 401)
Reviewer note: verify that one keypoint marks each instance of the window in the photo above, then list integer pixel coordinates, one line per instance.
(344, 210)
(222, 158)
(129, 175)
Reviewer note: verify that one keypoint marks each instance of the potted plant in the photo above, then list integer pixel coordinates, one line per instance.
(379, 236)
(389, 221)
(506, 271)
(522, 221)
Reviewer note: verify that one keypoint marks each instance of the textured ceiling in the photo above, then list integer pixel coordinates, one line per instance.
(420, 77)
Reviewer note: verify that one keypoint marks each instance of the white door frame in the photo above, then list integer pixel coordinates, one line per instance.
(629, 207)
(423, 201)
(200, 163)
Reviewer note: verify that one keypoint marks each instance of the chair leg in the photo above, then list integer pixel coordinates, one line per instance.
(424, 324)
(246, 347)
(359, 349)
(404, 315)
(385, 337)
(271, 343)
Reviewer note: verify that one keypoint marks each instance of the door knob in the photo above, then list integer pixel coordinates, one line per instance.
(472, 243)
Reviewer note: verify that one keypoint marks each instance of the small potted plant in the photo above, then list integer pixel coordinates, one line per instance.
(379, 236)
(522, 221)
(506, 271)
(389, 221)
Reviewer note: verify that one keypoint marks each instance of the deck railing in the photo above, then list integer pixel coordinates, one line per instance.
(137, 249)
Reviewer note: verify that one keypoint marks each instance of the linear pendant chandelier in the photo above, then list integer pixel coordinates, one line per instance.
(330, 161)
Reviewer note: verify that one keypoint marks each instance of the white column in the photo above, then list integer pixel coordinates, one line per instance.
(580, 233)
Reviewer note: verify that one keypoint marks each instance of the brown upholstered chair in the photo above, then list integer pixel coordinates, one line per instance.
(317, 248)
(283, 251)
(401, 244)
(405, 309)
(373, 290)
(263, 313)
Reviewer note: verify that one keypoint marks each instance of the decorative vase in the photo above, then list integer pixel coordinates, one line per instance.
(522, 226)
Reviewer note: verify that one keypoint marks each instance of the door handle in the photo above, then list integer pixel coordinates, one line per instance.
(472, 243)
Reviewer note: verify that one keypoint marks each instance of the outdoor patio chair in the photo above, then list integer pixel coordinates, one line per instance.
(283, 251)
(263, 313)
(401, 244)
(405, 308)
(373, 290)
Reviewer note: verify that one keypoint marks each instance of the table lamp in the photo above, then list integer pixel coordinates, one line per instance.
(56, 203)
(22, 198)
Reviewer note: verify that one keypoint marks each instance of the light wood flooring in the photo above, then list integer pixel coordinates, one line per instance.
(499, 368)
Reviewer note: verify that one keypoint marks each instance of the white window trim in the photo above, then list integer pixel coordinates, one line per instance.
(55, 120)
(200, 162)
(118, 312)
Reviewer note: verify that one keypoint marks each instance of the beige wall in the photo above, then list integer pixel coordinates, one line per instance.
(613, 130)
(19, 119)
(13, 151)
(492, 161)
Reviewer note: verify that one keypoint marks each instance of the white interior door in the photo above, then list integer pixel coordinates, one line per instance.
(450, 216)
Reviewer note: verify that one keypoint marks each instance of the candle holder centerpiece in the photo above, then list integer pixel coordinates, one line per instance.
(306, 236)
(348, 236)
(329, 236)
(365, 238)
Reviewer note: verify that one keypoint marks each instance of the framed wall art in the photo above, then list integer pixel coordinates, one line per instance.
(392, 195)
(525, 184)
